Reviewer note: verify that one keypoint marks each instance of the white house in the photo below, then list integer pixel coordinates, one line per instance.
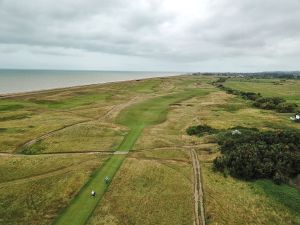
(295, 118)
(236, 132)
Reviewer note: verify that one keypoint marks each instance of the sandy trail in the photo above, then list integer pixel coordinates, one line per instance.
(102, 152)
(114, 110)
(58, 171)
(198, 190)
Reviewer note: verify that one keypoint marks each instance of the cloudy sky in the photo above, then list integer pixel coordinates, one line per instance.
(155, 35)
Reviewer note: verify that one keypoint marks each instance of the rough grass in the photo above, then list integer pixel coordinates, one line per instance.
(76, 101)
(288, 89)
(144, 86)
(136, 117)
(40, 186)
(217, 112)
(17, 167)
(148, 192)
(34, 126)
(162, 154)
(75, 213)
(230, 201)
(43, 119)
(153, 111)
(39, 113)
(10, 105)
(90, 136)
(154, 186)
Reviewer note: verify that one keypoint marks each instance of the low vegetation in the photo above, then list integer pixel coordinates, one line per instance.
(33, 189)
(261, 202)
(270, 103)
(200, 130)
(62, 131)
(148, 191)
(136, 118)
(252, 154)
(248, 153)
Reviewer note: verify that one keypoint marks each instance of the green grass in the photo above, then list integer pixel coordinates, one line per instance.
(34, 149)
(136, 117)
(284, 195)
(144, 86)
(11, 130)
(83, 204)
(148, 192)
(14, 117)
(288, 89)
(231, 201)
(76, 101)
(10, 105)
(40, 186)
(154, 111)
(145, 190)
(89, 136)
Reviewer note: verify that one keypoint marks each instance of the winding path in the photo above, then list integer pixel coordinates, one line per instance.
(112, 110)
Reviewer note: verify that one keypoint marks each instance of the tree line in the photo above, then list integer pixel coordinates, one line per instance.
(270, 103)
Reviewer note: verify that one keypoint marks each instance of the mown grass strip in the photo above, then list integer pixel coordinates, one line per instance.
(83, 204)
(135, 117)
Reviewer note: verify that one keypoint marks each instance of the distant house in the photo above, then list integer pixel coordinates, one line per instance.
(236, 132)
(295, 118)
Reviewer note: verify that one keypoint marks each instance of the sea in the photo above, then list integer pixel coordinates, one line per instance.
(16, 80)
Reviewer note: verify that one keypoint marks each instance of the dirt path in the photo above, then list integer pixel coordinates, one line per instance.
(49, 134)
(198, 190)
(110, 113)
(107, 152)
(58, 171)
(171, 147)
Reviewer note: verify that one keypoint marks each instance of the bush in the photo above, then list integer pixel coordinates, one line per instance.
(273, 103)
(250, 95)
(222, 79)
(200, 130)
(36, 148)
(286, 107)
(276, 103)
(254, 154)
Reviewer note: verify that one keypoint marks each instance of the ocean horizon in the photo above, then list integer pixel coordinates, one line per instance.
(26, 80)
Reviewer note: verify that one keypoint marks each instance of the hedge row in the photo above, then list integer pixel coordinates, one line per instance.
(270, 103)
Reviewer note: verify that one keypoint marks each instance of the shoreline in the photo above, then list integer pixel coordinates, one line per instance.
(33, 92)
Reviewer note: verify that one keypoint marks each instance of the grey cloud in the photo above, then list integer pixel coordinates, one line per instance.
(232, 31)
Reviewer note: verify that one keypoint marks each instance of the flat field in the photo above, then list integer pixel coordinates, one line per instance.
(58, 145)
(287, 89)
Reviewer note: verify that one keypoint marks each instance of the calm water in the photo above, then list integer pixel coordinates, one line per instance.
(13, 81)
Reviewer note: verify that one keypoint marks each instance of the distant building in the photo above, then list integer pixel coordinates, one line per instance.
(295, 118)
(236, 132)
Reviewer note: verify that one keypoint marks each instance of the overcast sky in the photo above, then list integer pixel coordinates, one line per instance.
(155, 35)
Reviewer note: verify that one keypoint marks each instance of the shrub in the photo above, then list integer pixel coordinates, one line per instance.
(254, 154)
(286, 107)
(222, 79)
(200, 130)
(35, 148)
(276, 103)
(273, 103)
(250, 95)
